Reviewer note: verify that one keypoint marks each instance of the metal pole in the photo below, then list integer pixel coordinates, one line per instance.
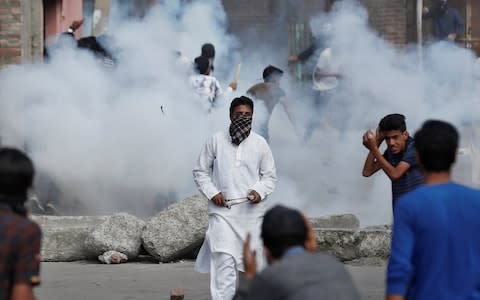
(420, 31)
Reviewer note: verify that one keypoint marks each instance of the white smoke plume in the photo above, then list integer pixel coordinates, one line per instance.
(119, 139)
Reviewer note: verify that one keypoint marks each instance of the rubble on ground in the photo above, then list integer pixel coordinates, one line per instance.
(177, 230)
(120, 232)
(112, 257)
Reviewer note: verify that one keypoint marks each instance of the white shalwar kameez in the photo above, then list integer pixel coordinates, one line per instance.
(234, 171)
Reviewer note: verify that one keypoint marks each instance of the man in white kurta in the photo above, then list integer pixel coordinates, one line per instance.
(225, 170)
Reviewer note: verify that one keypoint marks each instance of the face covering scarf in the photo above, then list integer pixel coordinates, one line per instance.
(240, 129)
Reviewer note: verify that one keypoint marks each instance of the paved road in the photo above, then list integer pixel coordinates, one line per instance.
(81, 280)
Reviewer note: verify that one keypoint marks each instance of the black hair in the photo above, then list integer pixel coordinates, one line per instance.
(436, 143)
(243, 100)
(393, 122)
(202, 65)
(16, 177)
(271, 73)
(208, 50)
(283, 228)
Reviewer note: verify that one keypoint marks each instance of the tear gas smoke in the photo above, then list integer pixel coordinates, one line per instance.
(103, 139)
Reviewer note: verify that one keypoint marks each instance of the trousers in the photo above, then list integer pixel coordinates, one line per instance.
(223, 276)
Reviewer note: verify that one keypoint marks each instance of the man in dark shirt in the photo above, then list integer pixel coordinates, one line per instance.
(447, 22)
(270, 93)
(294, 271)
(398, 161)
(19, 236)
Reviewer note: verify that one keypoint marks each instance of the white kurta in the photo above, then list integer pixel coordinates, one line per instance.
(327, 63)
(208, 90)
(234, 171)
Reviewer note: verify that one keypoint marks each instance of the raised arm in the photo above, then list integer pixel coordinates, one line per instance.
(394, 173)
(371, 166)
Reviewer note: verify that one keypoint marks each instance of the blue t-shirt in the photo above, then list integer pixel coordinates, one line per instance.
(412, 178)
(436, 244)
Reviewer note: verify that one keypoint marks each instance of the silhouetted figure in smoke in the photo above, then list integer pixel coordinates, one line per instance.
(206, 86)
(270, 93)
(20, 237)
(447, 22)
(295, 271)
(90, 43)
(325, 76)
(399, 161)
(101, 54)
(208, 51)
(435, 250)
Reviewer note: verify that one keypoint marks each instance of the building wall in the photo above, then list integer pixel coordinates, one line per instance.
(389, 18)
(11, 20)
(59, 15)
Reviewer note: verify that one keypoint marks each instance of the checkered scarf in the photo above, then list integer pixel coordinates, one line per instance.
(240, 129)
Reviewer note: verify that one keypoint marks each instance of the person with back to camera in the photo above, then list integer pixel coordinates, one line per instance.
(270, 93)
(435, 252)
(207, 86)
(294, 271)
(20, 237)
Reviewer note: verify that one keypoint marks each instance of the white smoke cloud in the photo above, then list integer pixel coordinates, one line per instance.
(103, 138)
(379, 79)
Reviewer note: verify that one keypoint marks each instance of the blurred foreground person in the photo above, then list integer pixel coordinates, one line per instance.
(270, 93)
(435, 251)
(206, 86)
(295, 272)
(399, 161)
(19, 237)
(236, 172)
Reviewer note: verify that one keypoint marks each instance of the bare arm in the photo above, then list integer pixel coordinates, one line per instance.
(392, 172)
(376, 161)
(371, 166)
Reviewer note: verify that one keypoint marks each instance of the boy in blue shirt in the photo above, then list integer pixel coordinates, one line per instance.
(399, 160)
(435, 251)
